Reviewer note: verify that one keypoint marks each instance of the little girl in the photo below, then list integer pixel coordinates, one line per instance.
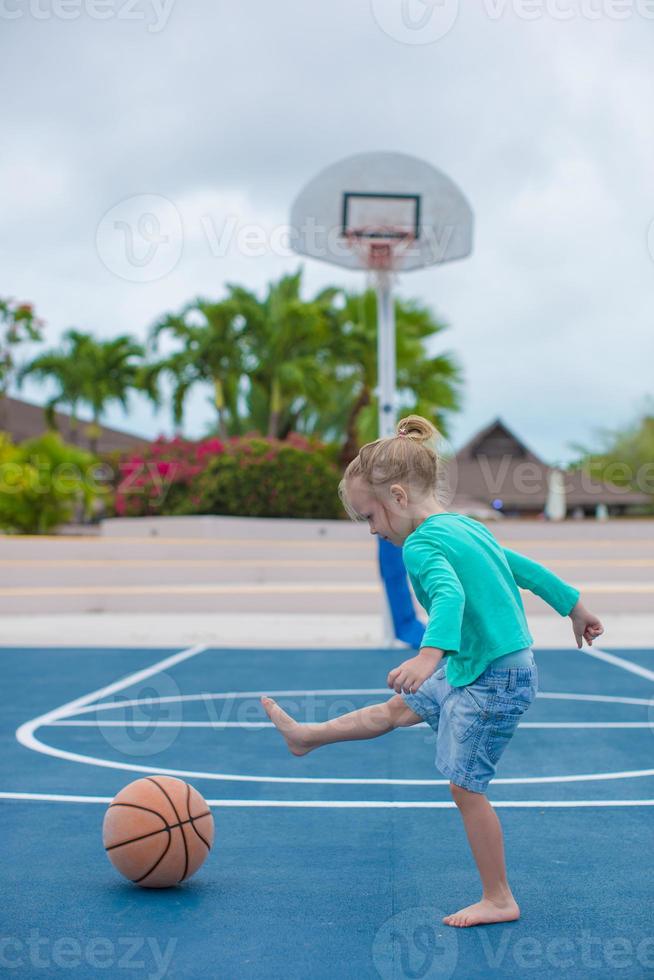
(475, 675)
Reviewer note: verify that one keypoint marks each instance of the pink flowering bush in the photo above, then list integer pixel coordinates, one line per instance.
(159, 479)
(248, 475)
(262, 477)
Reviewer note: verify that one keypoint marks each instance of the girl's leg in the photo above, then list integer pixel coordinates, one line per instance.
(487, 844)
(376, 719)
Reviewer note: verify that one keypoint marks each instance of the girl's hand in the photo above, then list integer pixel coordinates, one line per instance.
(414, 672)
(585, 625)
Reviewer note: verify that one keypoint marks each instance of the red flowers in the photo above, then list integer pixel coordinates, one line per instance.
(261, 474)
(148, 478)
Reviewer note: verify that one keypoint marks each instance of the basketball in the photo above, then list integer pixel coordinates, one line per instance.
(158, 831)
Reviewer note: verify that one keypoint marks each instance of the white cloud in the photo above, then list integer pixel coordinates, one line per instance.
(546, 125)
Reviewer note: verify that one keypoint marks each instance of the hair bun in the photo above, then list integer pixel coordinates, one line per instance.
(388, 460)
(417, 428)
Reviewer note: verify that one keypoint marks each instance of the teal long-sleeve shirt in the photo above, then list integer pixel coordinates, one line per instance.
(469, 586)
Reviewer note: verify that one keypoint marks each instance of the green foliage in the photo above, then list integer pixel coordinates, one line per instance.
(626, 457)
(426, 385)
(277, 364)
(159, 478)
(42, 483)
(271, 349)
(63, 366)
(89, 372)
(280, 363)
(18, 324)
(267, 478)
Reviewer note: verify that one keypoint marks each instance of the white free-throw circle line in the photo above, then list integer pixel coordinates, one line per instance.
(327, 692)
(25, 733)
(90, 760)
(25, 736)
(629, 665)
(344, 804)
(114, 723)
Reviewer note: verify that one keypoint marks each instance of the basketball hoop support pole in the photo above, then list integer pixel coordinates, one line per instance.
(386, 382)
(385, 211)
(385, 353)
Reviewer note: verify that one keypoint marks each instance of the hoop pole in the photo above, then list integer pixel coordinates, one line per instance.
(386, 382)
(385, 353)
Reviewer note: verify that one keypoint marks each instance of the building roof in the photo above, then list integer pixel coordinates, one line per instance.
(495, 440)
(496, 465)
(24, 420)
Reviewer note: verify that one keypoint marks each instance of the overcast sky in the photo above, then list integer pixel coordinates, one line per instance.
(542, 113)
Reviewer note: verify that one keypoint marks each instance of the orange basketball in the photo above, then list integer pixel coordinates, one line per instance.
(158, 831)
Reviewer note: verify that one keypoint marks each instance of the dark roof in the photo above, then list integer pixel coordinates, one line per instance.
(580, 489)
(496, 464)
(24, 420)
(496, 440)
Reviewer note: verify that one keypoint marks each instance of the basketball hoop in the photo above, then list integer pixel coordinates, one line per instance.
(382, 214)
(380, 248)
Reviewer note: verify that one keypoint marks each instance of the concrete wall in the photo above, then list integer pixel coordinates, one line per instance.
(221, 527)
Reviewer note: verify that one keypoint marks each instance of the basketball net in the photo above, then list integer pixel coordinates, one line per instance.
(379, 249)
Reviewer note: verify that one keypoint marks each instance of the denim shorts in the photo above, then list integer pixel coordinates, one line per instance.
(474, 723)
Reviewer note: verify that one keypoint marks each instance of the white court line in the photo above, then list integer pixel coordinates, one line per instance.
(346, 804)
(326, 692)
(610, 658)
(68, 723)
(318, 780)
(25, 735)
(605, 698)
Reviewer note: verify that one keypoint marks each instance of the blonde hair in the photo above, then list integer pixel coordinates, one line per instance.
(410, 457)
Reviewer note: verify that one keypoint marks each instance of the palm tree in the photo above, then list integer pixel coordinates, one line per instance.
(111, 369)
(428, 386)
(282, 363)
(92, 372)
(288, 343)
(212, 351)
(272, 352)
(62, 365)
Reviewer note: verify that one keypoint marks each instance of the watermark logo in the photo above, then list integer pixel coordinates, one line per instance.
(650, 239)
(415, 943)
(144, 955)
(575, 954)
(140, 239)
(154, 13)
(415, 21)
(426, 21)
(146, 721)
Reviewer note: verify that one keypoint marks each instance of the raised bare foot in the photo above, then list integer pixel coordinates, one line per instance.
(484, 912)
(295, 734)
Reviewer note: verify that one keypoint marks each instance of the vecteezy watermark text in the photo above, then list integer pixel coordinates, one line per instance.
(427, 21)
(141, 238)
(155, 13)
(570, 952)
(133, 953)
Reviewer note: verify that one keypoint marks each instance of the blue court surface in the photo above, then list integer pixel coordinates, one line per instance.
(334, 865)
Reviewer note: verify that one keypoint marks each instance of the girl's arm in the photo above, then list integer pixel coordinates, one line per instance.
(564, 598)
(585, 625)
(446, 598)
(541, 581)
(440, 583)
(413, 672)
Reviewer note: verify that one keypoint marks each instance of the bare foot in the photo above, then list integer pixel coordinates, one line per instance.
(481, 913)
(295, 734)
